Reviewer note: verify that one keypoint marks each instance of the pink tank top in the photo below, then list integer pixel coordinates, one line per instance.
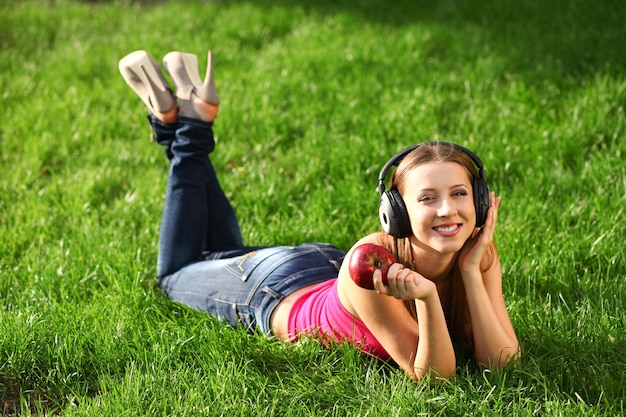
(319, 312)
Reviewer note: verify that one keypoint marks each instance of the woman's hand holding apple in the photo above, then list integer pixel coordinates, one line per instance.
(373, 267)
(404, 284)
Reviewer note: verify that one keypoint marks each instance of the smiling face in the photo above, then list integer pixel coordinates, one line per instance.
(439, 201)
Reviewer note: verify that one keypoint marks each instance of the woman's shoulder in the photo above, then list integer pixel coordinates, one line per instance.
(350, 294)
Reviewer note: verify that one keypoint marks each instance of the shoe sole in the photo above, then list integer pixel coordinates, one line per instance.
(141, 72)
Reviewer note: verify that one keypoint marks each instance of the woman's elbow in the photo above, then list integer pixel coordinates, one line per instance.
(508, 357)
(439, 374)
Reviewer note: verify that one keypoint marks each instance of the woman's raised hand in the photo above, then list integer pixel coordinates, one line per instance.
(474, 249)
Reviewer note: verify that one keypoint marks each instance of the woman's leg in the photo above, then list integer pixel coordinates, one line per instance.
(163, 133)
(197, 216)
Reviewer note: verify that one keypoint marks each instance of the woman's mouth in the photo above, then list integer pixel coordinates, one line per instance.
(451, 229)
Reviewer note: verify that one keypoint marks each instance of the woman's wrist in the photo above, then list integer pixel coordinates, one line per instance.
(430, 293)
(471, 275)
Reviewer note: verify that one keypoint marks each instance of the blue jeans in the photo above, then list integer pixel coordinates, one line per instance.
(202, 261)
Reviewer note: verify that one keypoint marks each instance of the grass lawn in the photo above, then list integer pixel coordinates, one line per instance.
(316, 96)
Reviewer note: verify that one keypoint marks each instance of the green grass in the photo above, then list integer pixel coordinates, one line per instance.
(315, 97)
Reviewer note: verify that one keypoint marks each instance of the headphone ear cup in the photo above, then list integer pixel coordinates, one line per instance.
(481, 200)
(393, 215)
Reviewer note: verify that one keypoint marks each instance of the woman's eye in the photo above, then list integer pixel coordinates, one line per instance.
(425, 199)
(459, 193)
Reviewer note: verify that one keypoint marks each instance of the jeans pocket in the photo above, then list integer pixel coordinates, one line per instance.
(242, 267)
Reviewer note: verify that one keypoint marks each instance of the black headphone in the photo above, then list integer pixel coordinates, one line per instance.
(393, 215)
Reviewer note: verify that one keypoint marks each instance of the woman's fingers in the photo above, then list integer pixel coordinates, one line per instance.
(402, 283)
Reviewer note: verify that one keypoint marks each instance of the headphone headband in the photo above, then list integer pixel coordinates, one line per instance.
(398, 157)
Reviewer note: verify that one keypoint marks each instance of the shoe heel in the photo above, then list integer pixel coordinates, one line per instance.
(208, 92)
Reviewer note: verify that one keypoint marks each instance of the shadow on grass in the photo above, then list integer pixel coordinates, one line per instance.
(571, 37)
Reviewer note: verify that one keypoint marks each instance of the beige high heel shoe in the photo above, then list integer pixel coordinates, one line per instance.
(142, 73)
(196, 98)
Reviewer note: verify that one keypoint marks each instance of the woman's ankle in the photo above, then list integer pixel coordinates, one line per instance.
(206, 111)
(169, 116)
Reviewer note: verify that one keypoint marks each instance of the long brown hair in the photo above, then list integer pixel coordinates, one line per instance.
(452, 291)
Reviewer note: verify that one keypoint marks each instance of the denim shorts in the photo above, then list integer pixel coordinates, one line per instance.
(244, 287)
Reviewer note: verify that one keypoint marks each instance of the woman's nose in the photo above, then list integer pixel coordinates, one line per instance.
(447, 208)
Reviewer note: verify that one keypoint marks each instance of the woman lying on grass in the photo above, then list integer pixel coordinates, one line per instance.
(445, 289)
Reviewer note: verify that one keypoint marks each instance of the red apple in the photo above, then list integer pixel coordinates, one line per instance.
(367, 258)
